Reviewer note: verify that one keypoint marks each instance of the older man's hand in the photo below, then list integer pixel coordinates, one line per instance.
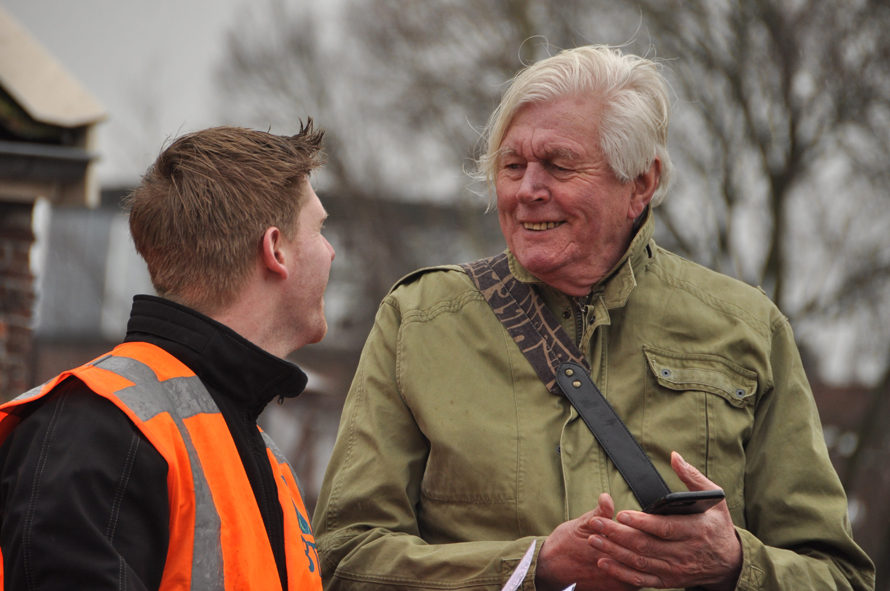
(667, 551)
(567, 557)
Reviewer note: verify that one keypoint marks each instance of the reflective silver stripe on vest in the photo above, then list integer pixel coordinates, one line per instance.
(275, 451)
(270, 444)
(29, 394)
(181, 398)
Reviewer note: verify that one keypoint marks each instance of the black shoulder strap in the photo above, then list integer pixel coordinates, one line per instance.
(560, 364)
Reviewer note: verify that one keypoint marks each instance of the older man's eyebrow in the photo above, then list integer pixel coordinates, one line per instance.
(504, 152)
(550, 154)
(562, 154)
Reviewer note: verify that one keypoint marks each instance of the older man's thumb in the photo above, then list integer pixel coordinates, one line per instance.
(689, 474)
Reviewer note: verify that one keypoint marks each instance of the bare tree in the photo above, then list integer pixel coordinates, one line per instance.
(785, 127)
(402, 89)
(781, 126)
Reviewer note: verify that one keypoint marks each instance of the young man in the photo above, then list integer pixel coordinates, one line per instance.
(145, 468)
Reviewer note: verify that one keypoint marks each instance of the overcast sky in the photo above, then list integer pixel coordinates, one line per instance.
(149, 62)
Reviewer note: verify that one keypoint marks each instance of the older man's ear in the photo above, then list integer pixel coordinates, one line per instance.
(644, 188)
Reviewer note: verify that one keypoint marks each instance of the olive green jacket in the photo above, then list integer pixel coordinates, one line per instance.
(452, 456)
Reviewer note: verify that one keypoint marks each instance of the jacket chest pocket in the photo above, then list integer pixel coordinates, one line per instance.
(701, 405)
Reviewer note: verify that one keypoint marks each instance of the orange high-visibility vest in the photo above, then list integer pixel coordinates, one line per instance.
(217, 536)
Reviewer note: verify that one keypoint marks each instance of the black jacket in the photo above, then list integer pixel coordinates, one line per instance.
(83, 495)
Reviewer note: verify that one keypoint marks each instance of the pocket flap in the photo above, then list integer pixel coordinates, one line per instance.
(703, 372)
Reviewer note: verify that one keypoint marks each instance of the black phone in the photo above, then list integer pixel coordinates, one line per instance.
(685, 503)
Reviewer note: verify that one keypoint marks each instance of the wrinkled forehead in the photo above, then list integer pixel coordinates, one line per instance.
(564, 128)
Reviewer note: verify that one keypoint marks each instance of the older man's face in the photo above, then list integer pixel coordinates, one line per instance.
(564, 214)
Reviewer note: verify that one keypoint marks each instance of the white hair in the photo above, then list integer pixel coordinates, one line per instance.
(635, 108)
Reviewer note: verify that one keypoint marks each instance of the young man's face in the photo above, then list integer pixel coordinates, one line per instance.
(310, 258)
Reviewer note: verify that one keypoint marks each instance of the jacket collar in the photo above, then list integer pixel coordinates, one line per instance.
(226, 362)
(615, 288)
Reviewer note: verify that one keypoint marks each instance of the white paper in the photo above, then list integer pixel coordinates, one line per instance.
(521, 569)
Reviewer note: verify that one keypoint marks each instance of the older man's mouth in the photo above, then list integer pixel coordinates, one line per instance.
(540, 226)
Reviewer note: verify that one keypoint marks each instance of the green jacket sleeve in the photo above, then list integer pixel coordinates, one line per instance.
(797, 533)
(365, 523)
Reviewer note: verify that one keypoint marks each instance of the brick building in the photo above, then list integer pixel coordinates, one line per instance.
(46, 127)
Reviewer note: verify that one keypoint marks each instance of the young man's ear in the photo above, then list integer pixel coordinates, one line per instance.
(644, 187)
(271, 252)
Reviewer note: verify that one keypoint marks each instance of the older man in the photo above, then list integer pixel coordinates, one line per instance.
(145, 468)
(455, 452)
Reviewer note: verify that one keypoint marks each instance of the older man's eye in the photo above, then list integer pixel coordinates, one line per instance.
(513, 168)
